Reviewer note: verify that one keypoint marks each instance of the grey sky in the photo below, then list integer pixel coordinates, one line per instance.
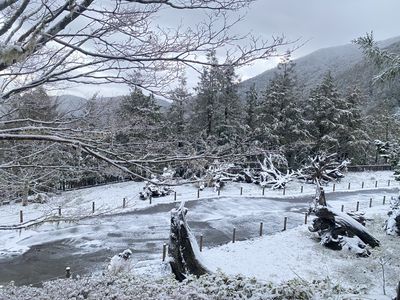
(323, 23)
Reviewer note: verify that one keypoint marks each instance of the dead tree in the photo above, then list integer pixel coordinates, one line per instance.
(339, 230)
(184, 252)
(323, 168)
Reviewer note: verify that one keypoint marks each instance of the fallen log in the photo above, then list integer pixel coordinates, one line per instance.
(339, 230)
(183, 251)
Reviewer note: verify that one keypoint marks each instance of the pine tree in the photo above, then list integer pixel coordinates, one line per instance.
(229, 121)
(325, 112)
(352, 136)
(217, 105)
(176, 113)
(280, 116)
(251, 105)
(206, 101)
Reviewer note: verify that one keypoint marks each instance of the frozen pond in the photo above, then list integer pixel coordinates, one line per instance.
(88, 245)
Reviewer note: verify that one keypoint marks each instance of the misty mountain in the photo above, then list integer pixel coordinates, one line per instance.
(75, 104)
(346, 64)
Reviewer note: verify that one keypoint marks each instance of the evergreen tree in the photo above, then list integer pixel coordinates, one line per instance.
(251, 105)
(325, 112)
(176, 113)
(217, 105)
(206, 101)
(229, 121)
(140, 116)
(352, 136)
(280, 116)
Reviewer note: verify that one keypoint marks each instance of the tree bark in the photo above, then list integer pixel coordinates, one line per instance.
(183, 249)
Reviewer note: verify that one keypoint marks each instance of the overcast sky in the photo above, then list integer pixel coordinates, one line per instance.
(322, 23)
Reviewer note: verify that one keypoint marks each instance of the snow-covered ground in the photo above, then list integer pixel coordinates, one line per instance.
(108, 199)
(294, 253)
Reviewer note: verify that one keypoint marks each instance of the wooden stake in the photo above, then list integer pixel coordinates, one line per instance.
(234, 235)
(174, 196)
(93, 207)
(376, 183)
(284, 223)
(198, 193)
(201, 243)
(389, 182)
(305, 218)
(334, 187)
(263, 191)
(370, 202)
(219, 192)
(342, 208)
(348, 187)
(241, 191)
(150, 198)
(301, 190)
(21, 216)
(284, 191)
(384, 200)
(59, 210)
(124, 202)
(164, 252)
(67, 272)
(261, 228)
(362, 185)
(358, 205)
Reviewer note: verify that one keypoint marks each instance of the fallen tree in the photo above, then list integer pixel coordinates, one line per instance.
(183, 250)
(339, 230)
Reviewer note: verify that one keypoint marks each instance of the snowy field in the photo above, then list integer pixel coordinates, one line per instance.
(293, 254)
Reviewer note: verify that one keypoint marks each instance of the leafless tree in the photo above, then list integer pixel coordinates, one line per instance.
(49, 42)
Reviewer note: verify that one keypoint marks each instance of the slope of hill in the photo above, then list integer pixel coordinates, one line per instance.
(347, 65)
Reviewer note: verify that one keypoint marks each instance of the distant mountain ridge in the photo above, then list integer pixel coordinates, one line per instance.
(346, 64)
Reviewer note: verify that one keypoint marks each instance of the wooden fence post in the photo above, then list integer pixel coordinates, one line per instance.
(198, 193)
(241, 191)
(234, 235)
(305, 218)
(219, 192)
(362, 185)
(261, 228)
(376, 183)
(388, 182)
(358, 205)
(301, 190)
(284, 223)
(174, 196)
(21, 216)
(201, 243)
(348, 187)
(342, 208)
(150, 199)
(370, 202)
(67, 272)
(384, 200)
(93, 207)
(59, 210)
(284, 191)
(334, 187)
(124, 202)
(164, 252)
(263, 191)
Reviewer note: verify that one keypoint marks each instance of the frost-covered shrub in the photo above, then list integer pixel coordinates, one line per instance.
(213, 286)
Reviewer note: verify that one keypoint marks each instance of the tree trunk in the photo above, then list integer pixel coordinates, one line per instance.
(184, 252)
